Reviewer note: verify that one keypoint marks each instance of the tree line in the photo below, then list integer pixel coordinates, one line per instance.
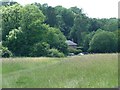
(40, 30)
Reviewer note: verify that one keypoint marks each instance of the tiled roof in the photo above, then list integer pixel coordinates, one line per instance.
(69, 42)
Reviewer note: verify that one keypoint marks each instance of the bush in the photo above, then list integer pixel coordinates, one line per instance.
(4, 52)
(40, 49)
(75, 51)
(103, 42)
(55, 53)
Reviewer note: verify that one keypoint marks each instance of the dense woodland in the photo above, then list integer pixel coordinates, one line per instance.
(41, 30)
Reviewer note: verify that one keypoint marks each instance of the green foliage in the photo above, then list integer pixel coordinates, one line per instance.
(13, 34)
(25, 26)
(117, 34)
(32, 28)
(33, 31)
(95, 24)
(103, 42)
(50, 16)
(118, 23)
(64, 23)
(76, 10)
(11, 17)
(31, 16)
(56, 40)
(111, 24)
(87, 40)
(55, 53)
(80, 25)
(105, 24)
(40, 49)
(4, 52)
(15, 41)
(31, 23)
(75, 51)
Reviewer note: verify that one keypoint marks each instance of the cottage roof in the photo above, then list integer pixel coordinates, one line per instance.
(71, 43)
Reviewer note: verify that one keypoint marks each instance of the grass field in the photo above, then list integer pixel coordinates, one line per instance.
(87, 71)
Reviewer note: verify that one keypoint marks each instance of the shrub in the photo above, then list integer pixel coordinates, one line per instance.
(55, 53)
(103, 42)
(40, 49)
(4, 52)
(75, 51)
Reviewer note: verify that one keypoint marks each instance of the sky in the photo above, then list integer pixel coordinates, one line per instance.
(92, 8)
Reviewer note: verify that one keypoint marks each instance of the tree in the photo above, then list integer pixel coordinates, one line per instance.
(20, 40)
(65, 20)
(32, 27)
(81, 24)
(111, 24)
(15, 42)
(76, 10)
(87, 40)
(11, 17)
(56, 40)
(49, 12)
(95, 24)
(32, 17)
(32, 33)
(103, 42)
(51, 16)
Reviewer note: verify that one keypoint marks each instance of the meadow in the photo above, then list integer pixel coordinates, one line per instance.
(87, 71)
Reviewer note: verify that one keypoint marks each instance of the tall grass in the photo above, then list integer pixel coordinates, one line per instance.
(88, 71)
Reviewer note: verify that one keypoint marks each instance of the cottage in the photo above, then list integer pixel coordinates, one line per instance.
(71, 44)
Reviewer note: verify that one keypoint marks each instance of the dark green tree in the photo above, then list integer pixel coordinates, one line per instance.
(103, 42)
(65, 20)
(81, 24)
(40, 49)
(87, 40)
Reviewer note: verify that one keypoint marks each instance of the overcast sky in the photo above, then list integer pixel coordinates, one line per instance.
(93, 8)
